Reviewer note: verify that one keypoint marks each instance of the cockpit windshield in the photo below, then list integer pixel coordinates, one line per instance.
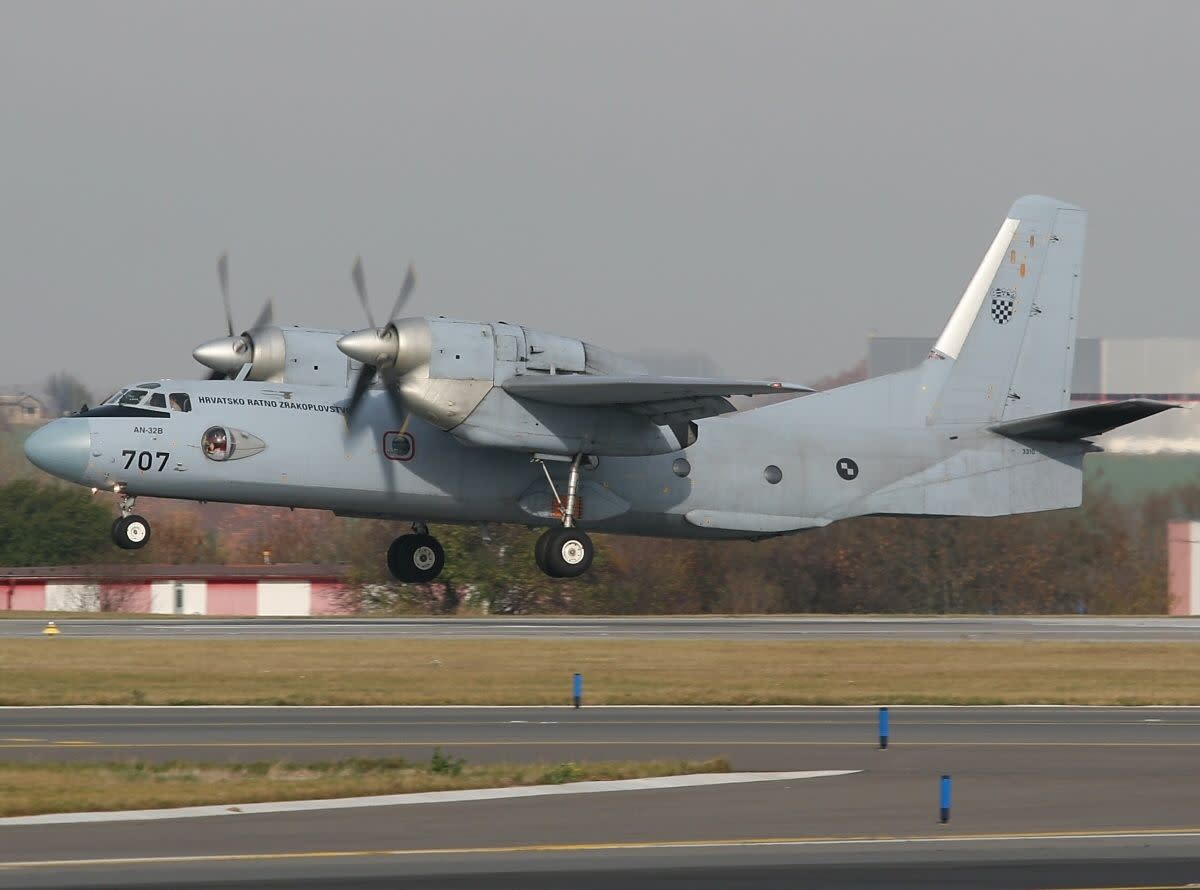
(144, 396)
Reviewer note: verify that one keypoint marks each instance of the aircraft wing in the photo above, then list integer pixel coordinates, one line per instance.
(665, 400)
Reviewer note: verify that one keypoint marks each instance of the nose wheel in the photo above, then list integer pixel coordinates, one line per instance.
(417, 558)
(131, 532)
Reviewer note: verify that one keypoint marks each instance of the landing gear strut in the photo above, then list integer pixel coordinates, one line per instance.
(416, 558)
(130, 531)
(565, 552)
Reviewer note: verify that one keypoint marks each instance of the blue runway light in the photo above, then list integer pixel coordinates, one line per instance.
(578, 689)
(883, 727)
(945, 808)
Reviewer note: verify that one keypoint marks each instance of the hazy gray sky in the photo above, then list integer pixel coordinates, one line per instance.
(762, 182)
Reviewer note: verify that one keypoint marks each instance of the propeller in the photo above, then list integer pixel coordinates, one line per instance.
(227, 355)
(223, 276)
(378, 348)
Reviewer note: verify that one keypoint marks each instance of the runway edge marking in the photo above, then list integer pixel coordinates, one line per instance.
(659, 783)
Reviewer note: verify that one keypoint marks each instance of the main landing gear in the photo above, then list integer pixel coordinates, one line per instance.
(130, 531)
(565, 552)
(416, 558)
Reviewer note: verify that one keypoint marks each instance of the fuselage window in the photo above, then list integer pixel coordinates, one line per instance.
(216, 443)
(132, 397)
(158, 400)
(180, 401)
(149, 385)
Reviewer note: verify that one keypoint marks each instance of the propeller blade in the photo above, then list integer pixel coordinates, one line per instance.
(406, 289)
(223, 277)
(366, 376)
(360, 285)
(265, 317)
(391, 385)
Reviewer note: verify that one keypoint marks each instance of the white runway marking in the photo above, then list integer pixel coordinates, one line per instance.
(391, 800)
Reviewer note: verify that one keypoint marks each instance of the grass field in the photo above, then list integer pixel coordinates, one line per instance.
(29, 789)
(61, 670)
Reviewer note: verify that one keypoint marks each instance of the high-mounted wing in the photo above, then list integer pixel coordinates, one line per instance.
(665, 400)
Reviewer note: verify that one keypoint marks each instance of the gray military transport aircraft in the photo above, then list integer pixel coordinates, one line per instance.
(433, 419)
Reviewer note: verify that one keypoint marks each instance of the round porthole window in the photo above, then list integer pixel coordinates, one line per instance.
(681, 467)
(399, 446)
(773, 474)
(216, 443)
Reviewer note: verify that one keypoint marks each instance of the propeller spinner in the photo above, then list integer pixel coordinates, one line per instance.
(391, 351)
(227, 355)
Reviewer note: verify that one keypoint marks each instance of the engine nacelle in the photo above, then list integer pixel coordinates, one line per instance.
(279, 355)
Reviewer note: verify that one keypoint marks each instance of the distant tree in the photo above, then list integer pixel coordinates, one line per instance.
(66, 393)
(842, 378)
(179, 539)
(48, 524)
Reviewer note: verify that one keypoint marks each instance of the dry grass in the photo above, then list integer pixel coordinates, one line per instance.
(62, 670)
(29, 789)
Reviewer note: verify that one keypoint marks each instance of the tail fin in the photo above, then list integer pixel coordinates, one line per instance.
(1011, 339)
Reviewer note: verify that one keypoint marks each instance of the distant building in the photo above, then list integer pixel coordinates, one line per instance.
(1183, 567)
(22, 408)
(278, 590)
(1106, 370)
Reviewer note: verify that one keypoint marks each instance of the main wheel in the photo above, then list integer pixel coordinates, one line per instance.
(568, 553)
(539, 551)
(131, 532)
(416, 558)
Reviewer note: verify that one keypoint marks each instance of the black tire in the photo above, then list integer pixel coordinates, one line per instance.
(539, 551)
(131, 532)
(416, 559)
(569, 553)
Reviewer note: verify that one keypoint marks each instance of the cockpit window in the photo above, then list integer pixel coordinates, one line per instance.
(132, 397)
(112, 400)
(158, 400)
(180, 401)
(149, 385)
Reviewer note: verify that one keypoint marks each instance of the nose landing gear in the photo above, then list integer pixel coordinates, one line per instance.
(130, 531)
(416, 558)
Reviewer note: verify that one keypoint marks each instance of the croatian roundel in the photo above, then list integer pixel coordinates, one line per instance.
(1002, 305)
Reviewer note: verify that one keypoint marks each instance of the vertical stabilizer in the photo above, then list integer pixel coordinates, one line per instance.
(1011, 340)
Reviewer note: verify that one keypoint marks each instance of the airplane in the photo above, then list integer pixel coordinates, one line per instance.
(431, 419)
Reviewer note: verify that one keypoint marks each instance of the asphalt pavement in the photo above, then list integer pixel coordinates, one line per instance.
(1055, 628)
(1042, 797)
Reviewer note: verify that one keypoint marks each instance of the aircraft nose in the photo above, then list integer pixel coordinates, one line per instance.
(61, 448)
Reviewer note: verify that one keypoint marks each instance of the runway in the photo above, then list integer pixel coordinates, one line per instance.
(761, 738)
(1050, 628)
(1043, 797)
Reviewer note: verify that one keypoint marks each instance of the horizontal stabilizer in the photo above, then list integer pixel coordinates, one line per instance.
(1080, 423)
